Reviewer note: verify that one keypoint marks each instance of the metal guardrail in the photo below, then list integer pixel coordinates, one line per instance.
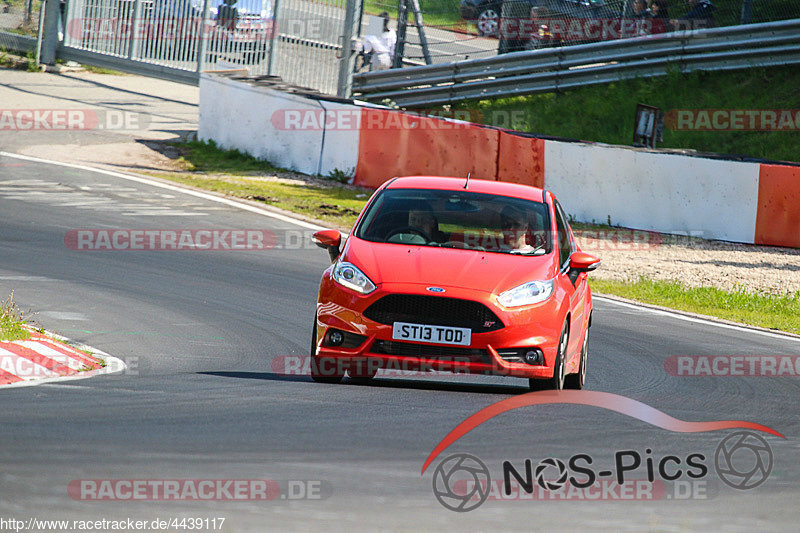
(551, 69)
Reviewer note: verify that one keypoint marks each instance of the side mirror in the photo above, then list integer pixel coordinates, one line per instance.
(583, 262)
(330, 239)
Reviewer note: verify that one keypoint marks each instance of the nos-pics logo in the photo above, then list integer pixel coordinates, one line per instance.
(462, 482)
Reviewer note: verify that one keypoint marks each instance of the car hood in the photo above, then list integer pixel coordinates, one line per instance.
(446, 267)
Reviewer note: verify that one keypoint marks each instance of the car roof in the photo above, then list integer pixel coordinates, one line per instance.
(502, 188)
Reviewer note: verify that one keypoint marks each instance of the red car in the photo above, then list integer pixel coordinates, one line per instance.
(451, 274)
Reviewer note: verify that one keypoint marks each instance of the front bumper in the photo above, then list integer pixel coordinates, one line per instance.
(537, 326)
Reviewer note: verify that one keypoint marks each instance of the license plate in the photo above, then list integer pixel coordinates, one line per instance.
(403, 331)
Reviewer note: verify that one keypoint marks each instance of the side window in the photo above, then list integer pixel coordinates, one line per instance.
(564, 241)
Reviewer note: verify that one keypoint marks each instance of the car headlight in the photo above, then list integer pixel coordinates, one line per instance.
(351, 277)
(529, 293)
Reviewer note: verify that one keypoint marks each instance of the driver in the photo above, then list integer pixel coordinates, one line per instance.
(421, 216)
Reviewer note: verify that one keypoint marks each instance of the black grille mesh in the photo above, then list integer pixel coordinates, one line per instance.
(449, 353)
(434, 311)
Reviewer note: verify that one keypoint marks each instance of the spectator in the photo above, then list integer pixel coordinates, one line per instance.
(700, 15)
(660, 12)
(381, 47)
(640, 10)
(227, 15)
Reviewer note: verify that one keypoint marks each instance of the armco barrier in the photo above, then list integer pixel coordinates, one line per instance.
(778, 220)
(636, 188)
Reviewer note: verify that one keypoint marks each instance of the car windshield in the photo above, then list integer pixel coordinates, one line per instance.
(457, 219)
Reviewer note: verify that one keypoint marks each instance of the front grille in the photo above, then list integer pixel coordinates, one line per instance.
(434, 311)
(449, 353)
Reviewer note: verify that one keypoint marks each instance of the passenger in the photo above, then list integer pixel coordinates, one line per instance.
(516, 229)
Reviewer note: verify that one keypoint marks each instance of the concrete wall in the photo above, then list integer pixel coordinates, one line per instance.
(285, 129)
(663, 192)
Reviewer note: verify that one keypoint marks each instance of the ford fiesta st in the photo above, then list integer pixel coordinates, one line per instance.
(452, 274)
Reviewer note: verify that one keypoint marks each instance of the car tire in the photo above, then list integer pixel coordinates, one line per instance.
(319, 365)
(488, 22)
(557, 381)
(578, 380)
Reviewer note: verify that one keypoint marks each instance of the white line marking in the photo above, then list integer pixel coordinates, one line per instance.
(697, 320)
(65, 315)
(147, 181)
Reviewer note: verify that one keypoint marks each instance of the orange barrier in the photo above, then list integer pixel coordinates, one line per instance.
(521, 160)
(778, 216)
(393, 143)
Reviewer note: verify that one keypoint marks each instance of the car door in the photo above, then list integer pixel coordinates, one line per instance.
(575, 287)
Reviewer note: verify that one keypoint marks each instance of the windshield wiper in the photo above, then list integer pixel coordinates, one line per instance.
(535, 251)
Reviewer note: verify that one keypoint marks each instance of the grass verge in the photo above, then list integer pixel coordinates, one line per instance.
(101, 70)
(240, 175)
(767, 311)
(11, 321)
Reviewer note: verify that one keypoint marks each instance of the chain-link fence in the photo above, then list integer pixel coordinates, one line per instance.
(19, 24)
(453, 30)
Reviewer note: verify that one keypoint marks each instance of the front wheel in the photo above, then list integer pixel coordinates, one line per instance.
(577, 381)
(323, 370)
(557, 381)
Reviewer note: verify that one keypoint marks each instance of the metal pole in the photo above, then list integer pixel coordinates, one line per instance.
(347, 62)
(423, 40)
(402, 23)
(39, 36)
(52, 11)
(202, 41)
(133, 44)
(274, 38)
(747, 11)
